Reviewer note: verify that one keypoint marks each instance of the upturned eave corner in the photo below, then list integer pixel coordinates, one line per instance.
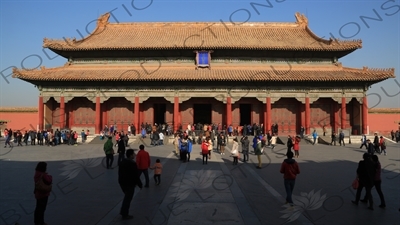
(302, 21)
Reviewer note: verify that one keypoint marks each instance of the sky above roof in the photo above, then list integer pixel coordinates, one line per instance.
(24, 24)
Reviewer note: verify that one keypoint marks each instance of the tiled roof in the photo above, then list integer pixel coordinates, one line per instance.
(167, 72)
(195, 35)
(18, 109)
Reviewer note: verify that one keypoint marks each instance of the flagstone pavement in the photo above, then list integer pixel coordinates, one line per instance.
(85, 192)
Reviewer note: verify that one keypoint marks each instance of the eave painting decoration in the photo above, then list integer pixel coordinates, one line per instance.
(203, 59)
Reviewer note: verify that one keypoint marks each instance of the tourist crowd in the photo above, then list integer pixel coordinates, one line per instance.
(42, 137)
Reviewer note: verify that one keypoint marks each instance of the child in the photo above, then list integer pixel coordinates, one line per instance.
(204, 151)
(157, 171)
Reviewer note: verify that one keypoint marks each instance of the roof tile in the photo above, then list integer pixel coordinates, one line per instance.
(194, 35)
(168, 72)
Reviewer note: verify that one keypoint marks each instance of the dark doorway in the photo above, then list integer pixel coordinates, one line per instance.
(245, 114)
(159, 113)
(202, 113)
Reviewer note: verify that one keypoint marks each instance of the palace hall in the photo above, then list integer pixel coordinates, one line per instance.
(183, 73)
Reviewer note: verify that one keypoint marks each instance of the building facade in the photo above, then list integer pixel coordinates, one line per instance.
(185, 73)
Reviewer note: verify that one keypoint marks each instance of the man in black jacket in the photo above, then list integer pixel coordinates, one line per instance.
(365, 173)
(128, 179)
(121, 149)
(376, 143)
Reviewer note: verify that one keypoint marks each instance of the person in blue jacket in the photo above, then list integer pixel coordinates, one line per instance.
(314, 135)
(189, 150)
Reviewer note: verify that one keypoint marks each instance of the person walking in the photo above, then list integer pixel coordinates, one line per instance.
(333, 138)
(290, 169)
(377, 182)
(222, 143)
(341, 138)
(109, 151)
(157, 167)
(189, 149)
(183, 148)
(376, 143)
(245, 148)
(273, 141)
(364, 141)
(121, 150)
(370, 148)
(365, 174)
(314, 135)
(143, 164)
(289, 144)
(296, 146)
(176, 143)
(128, 179)
(258, 152)
(382, 144)
(204, 151)
(235, 151)
(41, 196)
(210, 146)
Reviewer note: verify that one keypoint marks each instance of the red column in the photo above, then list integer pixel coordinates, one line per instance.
(307, 115)
(268, 119)
(41, 113)
(365, 115)
(98, 111)
(343, 115)
(136, 113)
(336, 115)
(228, 111)
(62, 112)
(176, 113)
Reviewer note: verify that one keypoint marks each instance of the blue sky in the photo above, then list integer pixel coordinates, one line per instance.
(24, 24)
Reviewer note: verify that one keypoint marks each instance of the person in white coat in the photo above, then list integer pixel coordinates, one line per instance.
(273, 141)
(235, 151)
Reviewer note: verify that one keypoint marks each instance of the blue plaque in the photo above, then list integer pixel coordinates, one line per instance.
(203, 59)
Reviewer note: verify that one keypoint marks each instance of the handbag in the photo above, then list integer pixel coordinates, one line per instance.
(355, 184)
(234, 152)
(41, 186)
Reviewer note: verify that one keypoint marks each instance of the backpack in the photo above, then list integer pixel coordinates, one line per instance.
(184, 145)
(204, 148)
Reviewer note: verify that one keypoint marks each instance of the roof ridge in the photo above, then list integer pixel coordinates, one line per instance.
(367, 69)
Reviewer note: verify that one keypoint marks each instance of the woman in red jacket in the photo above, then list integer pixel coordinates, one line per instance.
(296, 146)
(41, 196)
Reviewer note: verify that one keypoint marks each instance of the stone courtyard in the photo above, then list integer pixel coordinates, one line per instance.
(84, 192)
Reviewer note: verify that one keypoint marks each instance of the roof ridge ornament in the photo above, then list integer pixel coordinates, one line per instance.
(301, 19)
(103, 20)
